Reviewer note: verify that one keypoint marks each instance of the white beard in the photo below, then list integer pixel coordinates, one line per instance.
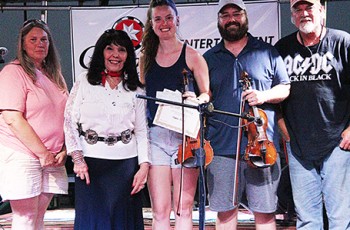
(307, 27)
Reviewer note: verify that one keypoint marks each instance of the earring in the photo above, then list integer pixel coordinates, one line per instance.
(126, 76)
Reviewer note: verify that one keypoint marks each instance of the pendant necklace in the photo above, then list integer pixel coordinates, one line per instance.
(318, 44)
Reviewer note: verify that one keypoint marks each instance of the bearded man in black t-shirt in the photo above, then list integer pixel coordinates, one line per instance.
(317, 116)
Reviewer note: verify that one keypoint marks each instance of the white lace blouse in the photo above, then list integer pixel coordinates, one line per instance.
(108, 112)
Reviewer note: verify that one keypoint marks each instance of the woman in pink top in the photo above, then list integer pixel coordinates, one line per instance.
(32, 152)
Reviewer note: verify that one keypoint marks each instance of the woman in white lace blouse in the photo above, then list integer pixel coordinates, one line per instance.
(106, 135)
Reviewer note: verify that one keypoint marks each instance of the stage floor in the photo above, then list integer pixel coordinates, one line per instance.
(63, 218)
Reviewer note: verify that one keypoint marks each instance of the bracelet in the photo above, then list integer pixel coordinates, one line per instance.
(78, 161)
(77, 157)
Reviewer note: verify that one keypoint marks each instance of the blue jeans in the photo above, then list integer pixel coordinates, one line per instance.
(318, 182)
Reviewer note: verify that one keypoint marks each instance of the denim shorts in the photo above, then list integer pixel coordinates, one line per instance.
(164, 146)
(259, 185)
(315, 183)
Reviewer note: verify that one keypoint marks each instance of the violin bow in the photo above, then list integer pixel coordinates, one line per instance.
(238, 149)
(185, 88)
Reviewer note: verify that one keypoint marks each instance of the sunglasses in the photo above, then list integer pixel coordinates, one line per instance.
(33, 22)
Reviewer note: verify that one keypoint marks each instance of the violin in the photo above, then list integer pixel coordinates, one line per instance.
(259, 152)
(191, 146)
(187, 150)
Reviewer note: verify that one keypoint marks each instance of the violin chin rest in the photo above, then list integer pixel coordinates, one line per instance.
(258, 162)
(190, 162)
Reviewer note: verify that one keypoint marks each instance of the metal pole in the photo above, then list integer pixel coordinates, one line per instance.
(325, 14)
(44, 12)
(3, 8)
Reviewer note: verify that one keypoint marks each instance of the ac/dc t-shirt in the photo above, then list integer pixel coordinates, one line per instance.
(318, 107)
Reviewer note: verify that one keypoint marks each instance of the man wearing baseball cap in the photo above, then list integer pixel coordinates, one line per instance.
(317, 116)
(294, 2)
(239, 53)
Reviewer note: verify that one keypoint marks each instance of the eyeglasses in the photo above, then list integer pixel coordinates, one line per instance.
(33, 22)
(308, 9)
(227, 16)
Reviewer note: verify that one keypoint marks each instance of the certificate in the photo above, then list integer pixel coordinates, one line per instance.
(170, 116)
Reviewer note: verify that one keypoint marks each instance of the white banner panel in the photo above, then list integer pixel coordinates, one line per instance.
(198, 26)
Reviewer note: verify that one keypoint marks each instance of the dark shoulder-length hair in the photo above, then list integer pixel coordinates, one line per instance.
(150, 40)
(51, 63)
(97, 65)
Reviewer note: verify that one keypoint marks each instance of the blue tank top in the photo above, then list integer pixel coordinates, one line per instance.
(159, 78)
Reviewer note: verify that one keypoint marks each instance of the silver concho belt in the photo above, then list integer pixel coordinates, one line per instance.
(91, 137)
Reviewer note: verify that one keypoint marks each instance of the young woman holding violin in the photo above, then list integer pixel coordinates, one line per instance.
(162, 61)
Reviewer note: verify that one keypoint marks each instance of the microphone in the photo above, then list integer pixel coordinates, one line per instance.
(249, 117)
(3, 52)
(207, 108)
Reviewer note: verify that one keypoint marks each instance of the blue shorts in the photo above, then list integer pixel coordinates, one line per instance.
(259, 185)
(164, 146)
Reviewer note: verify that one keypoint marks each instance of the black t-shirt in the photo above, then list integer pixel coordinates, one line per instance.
(318, 107)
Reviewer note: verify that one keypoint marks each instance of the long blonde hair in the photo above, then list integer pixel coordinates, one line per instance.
(51, 63)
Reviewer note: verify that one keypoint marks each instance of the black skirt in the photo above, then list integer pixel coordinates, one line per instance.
(106, 203)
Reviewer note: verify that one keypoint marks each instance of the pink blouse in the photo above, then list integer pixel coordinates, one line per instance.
(42, 104)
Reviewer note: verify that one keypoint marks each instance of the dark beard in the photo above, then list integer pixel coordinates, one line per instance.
(236, 34)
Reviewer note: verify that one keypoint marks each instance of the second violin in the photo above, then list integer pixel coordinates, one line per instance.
(259, 152)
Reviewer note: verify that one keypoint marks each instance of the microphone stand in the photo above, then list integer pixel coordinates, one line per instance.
(205, 108)
(200, 157)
